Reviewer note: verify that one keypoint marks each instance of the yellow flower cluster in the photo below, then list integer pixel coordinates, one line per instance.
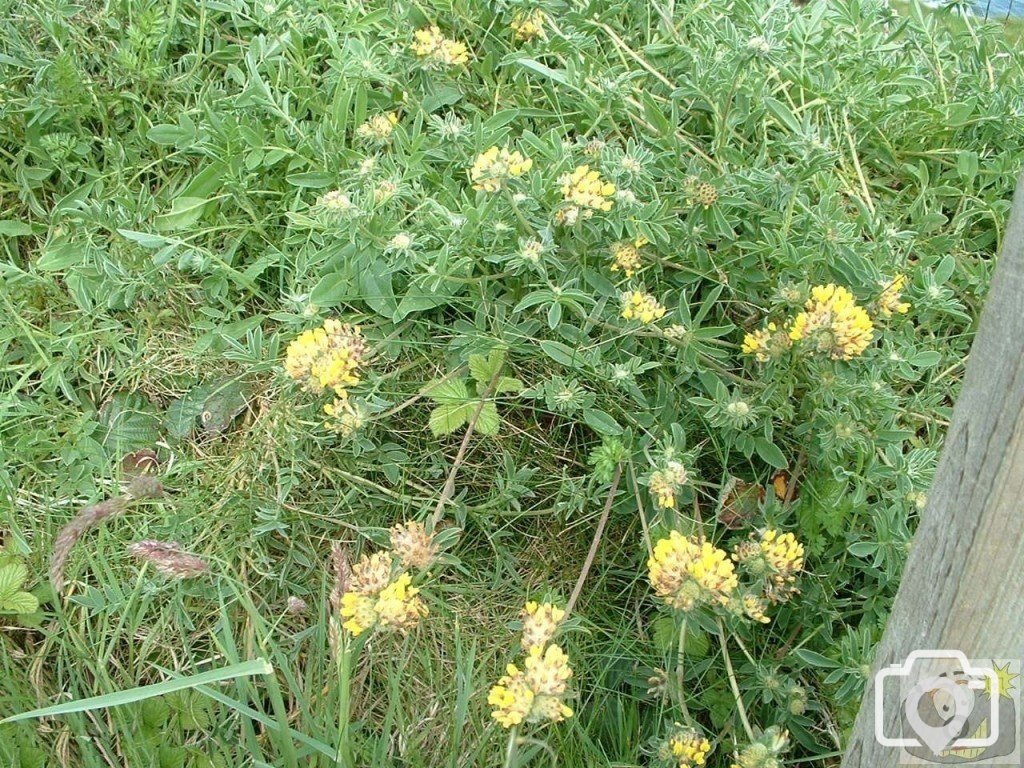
(626, 256)
(437, 50)
(754, 607)
(688, 748)
(536, 692)
(889, 301)
(540, 623)
(664, 484)
(833, 323)
(493, 168)
(527, 25)
(379, 592)
(778, 558)
(327, 358)
(641, 306)
(378, 128)
(586, 189)
(767, 342)
(345, 416)
(690, 571)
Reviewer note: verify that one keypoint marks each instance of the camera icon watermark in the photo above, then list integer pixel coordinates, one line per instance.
(952, 710)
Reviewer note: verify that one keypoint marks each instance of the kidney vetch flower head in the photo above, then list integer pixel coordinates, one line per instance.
(536, 693)
(626, 255)
(527, 25)
(690, 571)
(495, 166)
(641, 306)
(413, 545)
(540, 623)
(833, 323)
(665, 483)
(767, 343)
(327, 358)
(586, 189)
(778, 557)
(889, 301)
(686, 747)
(437, 50)
(378, 128)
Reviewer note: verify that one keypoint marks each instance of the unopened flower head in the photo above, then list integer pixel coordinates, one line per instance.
(586, 189)
(540, 623)
(665, 484)
(436, 50)
(378, 128)
(531, 250)
(687, 747)
(641, 306)
(626, 256)
(168, 558)
(494, 167)
(767, 343)
(336, 202)
(327, 358)
(688, 571)
(527, 25)
(833, 323)
(764, 753)
(411, 543)
(889, 302)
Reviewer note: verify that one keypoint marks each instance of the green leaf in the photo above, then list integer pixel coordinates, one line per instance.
(61, 254)
(815, 659)
(445, 419)
(185, 211)
(508, 384)
(783, 115)
(601, 422)
(311, 180)
(488, 422)
(242, 669)
(863, 548)
(12, 576)
(331, 290)
(483, 369)
(449, 391)
(21, 603)
(12, 228)
(561, 353)
(770, 453)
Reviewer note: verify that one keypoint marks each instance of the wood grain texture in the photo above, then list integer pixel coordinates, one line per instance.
(963, 586)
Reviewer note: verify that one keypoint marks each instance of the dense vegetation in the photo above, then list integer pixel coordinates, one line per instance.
(739, 330)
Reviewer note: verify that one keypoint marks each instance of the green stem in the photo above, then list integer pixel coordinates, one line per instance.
(510, 750)
(680, 685)
(344, 754)
(732, 683)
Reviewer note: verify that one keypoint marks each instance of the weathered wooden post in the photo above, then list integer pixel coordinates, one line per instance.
(963, 587)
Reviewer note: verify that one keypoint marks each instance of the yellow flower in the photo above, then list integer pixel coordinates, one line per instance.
(754, 607)
(784, 555)
(494, 167)
(413, 545)
(833, 323)
(687, 571)
(534, 694)
(540, 622)
(688, 747)
(358, 612)
(327, 358)
(378, 128)
(526, 25)
(437, 50)
(399, 607)
(664, 484)
(889, 301)
(641, 306)
(626, 256)
(585, 188)
(766, 343)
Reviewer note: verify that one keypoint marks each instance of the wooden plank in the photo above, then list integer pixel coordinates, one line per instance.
(962, 586)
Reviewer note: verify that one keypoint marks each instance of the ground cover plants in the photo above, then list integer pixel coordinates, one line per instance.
(465, 384)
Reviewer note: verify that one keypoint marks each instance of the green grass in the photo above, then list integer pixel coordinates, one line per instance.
(162, 244)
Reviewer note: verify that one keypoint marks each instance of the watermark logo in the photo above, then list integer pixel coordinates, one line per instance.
(952, 710)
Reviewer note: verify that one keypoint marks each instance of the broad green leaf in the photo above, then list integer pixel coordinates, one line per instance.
(311, 180)
(19, 603)
(185, 211)
(601, 422)
(488, 422)
(560, 353)
(508, 384)
(12, 576)
(449, 391)
(770, 453)
(12, 228)
(445, 419)
(815, 659)
(483, 369)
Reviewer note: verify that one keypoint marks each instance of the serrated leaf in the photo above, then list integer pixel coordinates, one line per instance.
(155, 712)
(20, 603)
(12, 576)
(508, 384)
(488, 422)
(445, 419)
(483, 369)
(449, 391)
